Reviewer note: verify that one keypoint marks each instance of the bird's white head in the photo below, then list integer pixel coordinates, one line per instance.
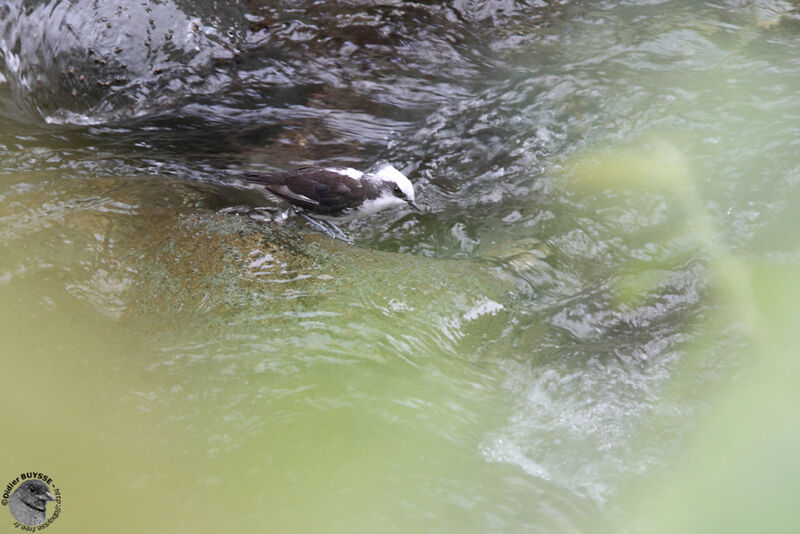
(390, 188)
(387, 173)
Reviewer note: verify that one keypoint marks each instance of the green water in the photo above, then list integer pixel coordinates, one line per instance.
(589, 328)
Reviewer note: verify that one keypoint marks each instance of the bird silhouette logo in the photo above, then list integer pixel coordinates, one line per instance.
(27, 497)
(28, 504)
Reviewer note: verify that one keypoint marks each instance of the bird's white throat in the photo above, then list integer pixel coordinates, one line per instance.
(372, 205)
(386, 200)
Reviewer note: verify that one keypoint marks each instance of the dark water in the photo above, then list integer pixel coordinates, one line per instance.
(543, 340)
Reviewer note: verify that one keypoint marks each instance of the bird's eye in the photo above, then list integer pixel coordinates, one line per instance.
(397, 191)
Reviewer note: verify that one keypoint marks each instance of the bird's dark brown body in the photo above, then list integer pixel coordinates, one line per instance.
(317, 190)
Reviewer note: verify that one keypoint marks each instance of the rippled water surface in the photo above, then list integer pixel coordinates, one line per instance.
(589, 321)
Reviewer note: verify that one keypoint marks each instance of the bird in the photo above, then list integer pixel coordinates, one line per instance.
(28, 504)
(322, 195)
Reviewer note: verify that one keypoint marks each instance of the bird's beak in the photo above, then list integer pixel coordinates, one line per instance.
(411, 203)
(48, 496)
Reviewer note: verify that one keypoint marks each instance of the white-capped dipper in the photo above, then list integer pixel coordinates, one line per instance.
(338, 193)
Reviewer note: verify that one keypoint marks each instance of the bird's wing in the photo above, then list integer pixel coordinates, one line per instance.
(313, 189)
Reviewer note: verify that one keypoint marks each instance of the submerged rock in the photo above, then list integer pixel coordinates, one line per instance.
(161, 256)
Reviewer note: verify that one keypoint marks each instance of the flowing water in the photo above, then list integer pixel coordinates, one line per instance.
(607, 252)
